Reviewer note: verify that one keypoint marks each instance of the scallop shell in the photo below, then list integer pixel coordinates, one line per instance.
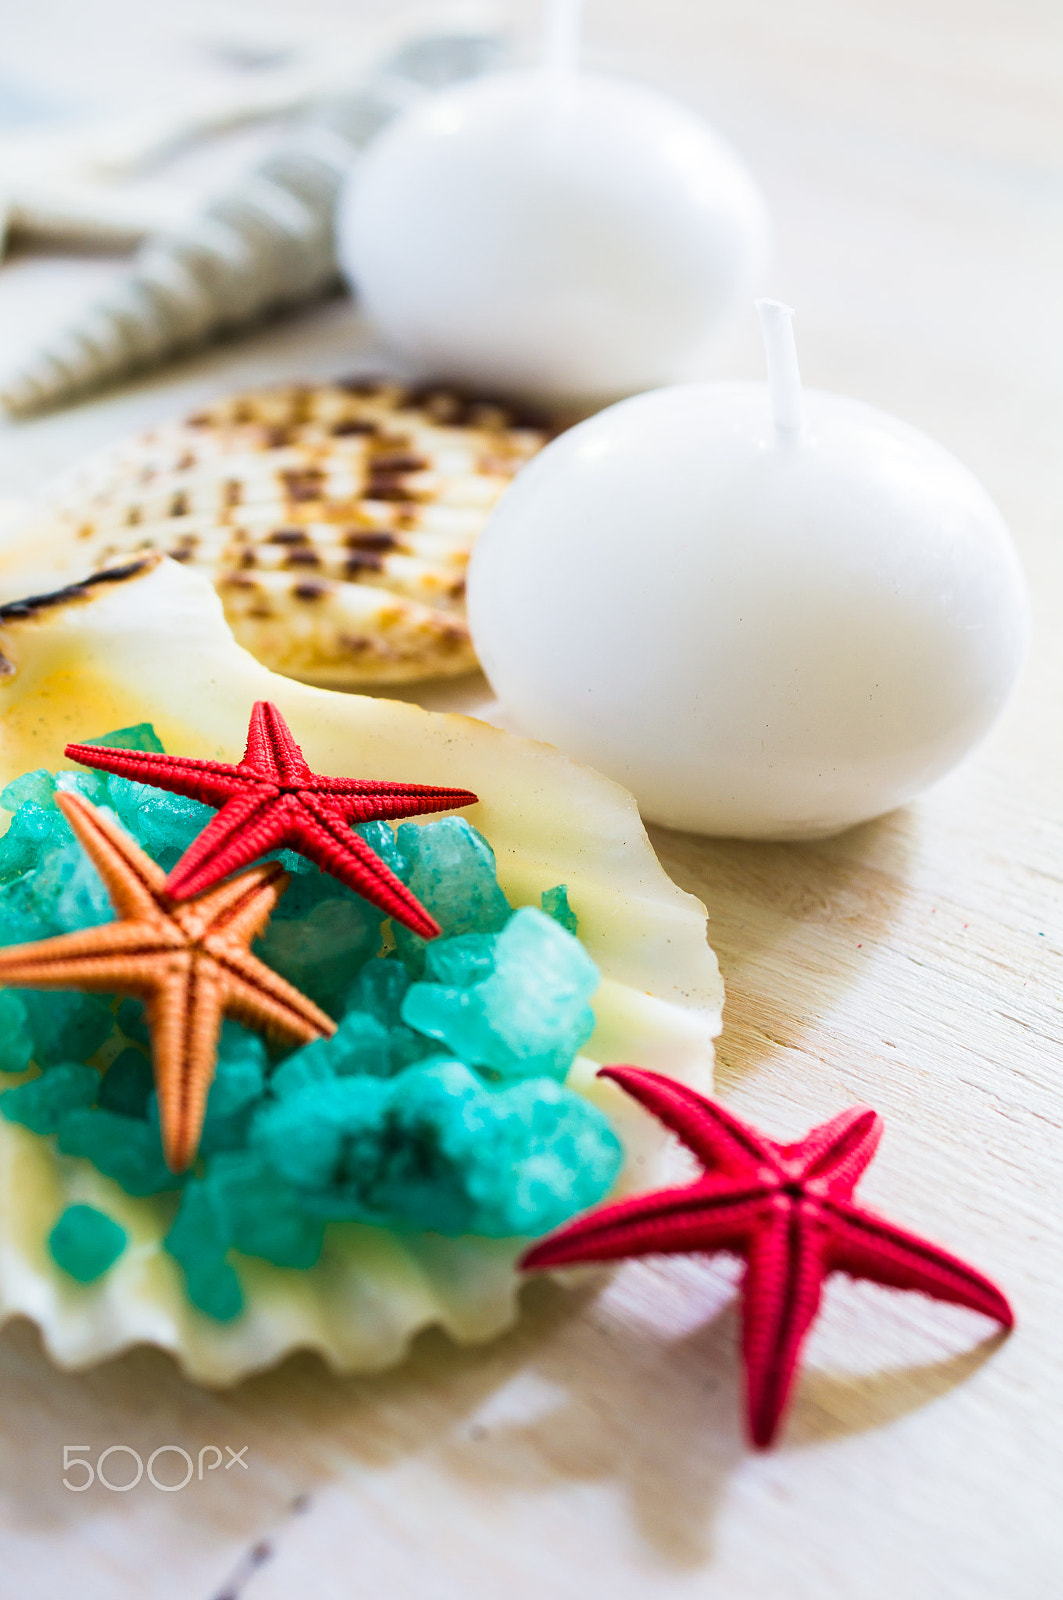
(335, 521)
(150, 642)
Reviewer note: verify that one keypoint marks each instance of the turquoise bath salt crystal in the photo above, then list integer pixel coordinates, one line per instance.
(66, 1025)
(360, 1044)
(321, 953)
(20, 913)
(82, 901)
(380, 837)
(140, 736)
(461, 961)
(379, 988)
(90, 785)
(123, 1148)
(239, 1082)
(260, 1214)
(436, 1148)
(555, 904)
(311, 1064)
(564, 1158)
(132, 1021)
(324, 1139)
(16, 1041)
(198, 1242)
(166, 824)
(37, 786)
(33, 830)
(451, 870)
(86, 1243)
(529, 1017)
(44, 1103)
(128, 1084)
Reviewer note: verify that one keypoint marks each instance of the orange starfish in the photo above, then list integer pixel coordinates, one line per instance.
(190, 963)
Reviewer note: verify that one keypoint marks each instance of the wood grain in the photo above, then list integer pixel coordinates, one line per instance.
(913, 155)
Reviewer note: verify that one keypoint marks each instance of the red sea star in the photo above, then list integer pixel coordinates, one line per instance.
(786, 1208)
(272, 800)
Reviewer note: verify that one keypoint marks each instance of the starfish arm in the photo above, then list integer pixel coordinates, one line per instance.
(248, 826)
(867, 1246)
(213, 782)
(716, 1213)
(366, 801)
(272, 752)
(718, 1139)
(836, 1152)
(241, 907)
(133, 881)
(781, 1291)
(102, 959)
(185, 1013)
(320, 834)
(257, 995)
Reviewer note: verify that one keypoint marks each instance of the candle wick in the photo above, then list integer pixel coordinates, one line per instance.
(780, 355)
(561, 41)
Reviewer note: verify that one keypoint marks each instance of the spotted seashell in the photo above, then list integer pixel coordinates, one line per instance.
(334, 520)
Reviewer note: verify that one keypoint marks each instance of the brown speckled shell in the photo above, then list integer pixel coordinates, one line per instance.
(334, 520)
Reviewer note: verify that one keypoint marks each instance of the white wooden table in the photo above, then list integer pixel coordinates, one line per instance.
(913, 155)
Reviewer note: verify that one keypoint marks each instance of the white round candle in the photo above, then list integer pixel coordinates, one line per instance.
(552, 235)
(768, 614)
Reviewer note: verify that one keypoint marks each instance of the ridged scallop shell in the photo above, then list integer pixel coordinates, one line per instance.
(150, 643)
(335, 521)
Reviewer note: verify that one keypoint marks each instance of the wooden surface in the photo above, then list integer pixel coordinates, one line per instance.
(913, 156)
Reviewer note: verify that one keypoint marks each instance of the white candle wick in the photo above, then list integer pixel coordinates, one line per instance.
(561, 40)
(780, 355)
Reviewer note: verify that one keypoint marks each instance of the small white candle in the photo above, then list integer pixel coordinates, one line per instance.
(553, 234)
(768, 612)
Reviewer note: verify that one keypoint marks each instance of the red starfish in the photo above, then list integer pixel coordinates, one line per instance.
(272, 800)
(787, 1209)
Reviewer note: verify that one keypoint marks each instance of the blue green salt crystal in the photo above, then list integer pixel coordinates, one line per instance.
(311, 1064)
(123, 1148)
(563, 1158)
(239, 1081)
(44, 1103)
(450, 867)
(16, 1041)
(139, 736)
(132, 1021)
(86, 1243)
(381, 838)
(529, 1017)
(127, 1084)
(166, 824)
(379, 988)
(260, 1215)
(323, 1138)
(33, 831)
(320, 953)
(555, 904)
(38, 787)
(90, 785)
(462, 961)
(66, 1025)
(198, 1241)
(435, 1148)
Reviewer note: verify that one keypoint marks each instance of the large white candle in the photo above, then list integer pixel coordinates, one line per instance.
(770, 614)
(552, 234)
